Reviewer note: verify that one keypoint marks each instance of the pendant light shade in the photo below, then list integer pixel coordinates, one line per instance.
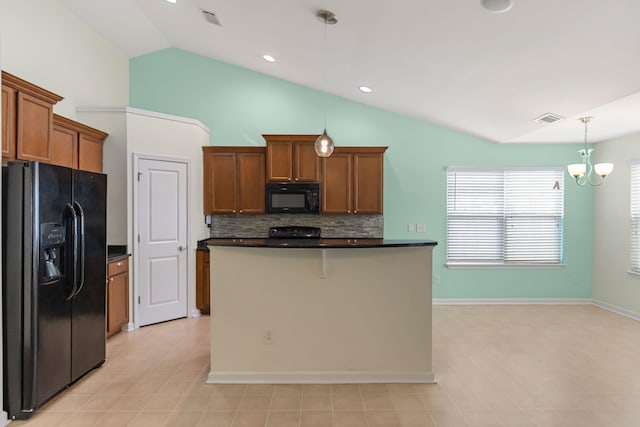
(324, 145)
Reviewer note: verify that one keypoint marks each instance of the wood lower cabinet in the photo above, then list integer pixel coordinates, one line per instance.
(76, 145)
(292, 158)
(203, 296)
(234, 180)
(352, 181)
(117, 295)
(27, 113)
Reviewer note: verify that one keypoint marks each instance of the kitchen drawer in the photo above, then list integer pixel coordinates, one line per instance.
(117, 267)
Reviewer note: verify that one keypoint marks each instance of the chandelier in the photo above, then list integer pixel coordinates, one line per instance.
(584, 172)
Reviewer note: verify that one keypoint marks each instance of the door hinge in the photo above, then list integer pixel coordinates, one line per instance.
(139, 175)
(138, 299)
(138, 238)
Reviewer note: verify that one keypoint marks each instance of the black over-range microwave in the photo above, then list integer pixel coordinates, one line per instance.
(293, 198)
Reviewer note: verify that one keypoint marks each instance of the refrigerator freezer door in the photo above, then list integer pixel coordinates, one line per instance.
(52, 319)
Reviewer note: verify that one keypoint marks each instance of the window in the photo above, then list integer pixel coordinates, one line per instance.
(635, 217)
(506, 216)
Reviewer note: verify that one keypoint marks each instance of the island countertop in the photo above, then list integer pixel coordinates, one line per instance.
(315, 243)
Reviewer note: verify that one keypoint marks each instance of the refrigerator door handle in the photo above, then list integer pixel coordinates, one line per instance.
(80, 237)
(72, 214)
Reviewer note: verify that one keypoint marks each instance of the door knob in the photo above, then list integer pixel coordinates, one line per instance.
(182, 248)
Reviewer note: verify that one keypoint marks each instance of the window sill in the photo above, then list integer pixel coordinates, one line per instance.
(507, 266)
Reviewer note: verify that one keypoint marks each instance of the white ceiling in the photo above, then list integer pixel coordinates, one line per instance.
(448, 62)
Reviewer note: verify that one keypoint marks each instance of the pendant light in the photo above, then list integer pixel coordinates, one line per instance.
(583, 172)
(324, 144)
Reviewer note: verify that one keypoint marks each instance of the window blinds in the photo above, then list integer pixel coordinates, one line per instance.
(504, 216)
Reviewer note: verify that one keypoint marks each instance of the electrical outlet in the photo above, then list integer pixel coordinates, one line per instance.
(422, 228)
(267, 338)
(411, 228)
(436, 280)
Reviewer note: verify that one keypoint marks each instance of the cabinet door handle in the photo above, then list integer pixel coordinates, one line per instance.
(119, 264)
(296, 179)
(355, 212)
(111, 280)
(234, 211)
(348, 210)
(240, 210)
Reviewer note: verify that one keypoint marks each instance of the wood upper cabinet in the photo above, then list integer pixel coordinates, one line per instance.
(76, 145)
(9, 107)
(292, 158)
(28, 114)
(234, 180)
(337, 187)
(352, 181)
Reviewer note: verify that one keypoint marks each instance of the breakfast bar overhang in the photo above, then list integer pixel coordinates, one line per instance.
(321, 311)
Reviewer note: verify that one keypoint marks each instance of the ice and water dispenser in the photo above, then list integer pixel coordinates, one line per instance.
(52, 251)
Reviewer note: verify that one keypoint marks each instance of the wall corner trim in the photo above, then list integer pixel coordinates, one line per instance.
(615, 309)
(141, 112)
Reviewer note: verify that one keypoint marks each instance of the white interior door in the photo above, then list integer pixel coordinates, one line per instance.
(162, 235)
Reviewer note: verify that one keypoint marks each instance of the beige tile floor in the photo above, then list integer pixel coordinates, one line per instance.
(495, 365)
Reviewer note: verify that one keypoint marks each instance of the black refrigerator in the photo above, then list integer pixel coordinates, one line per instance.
(53, 280)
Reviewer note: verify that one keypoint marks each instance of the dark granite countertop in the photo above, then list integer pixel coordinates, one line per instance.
(116, 253)
(112, 258)
(317, 243)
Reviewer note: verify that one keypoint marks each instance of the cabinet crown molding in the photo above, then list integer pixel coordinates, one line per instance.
(24, 86)
(231, 148)
(79, 127)
(290, 138)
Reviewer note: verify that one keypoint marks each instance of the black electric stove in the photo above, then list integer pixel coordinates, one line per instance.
(294, 232)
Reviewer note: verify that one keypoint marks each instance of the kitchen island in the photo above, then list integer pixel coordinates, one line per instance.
(320, 311)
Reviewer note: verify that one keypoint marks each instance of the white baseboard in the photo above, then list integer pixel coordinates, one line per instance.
(4, 418)
(195, 313)
(320, 377)
(618, 310)
(511, 301)
(128, 327)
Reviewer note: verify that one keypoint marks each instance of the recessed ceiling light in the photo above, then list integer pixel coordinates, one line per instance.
(496, 6)
(172, 1)
(365, 89)
(268, 58)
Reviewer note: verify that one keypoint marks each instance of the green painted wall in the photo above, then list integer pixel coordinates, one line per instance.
(240, 105)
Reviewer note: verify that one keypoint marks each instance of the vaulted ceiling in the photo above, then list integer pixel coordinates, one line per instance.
(449, 62)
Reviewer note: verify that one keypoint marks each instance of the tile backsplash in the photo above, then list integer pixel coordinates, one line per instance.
(333, 226)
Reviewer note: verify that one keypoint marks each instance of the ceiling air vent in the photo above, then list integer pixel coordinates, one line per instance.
(548, 118)
(211, 17)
